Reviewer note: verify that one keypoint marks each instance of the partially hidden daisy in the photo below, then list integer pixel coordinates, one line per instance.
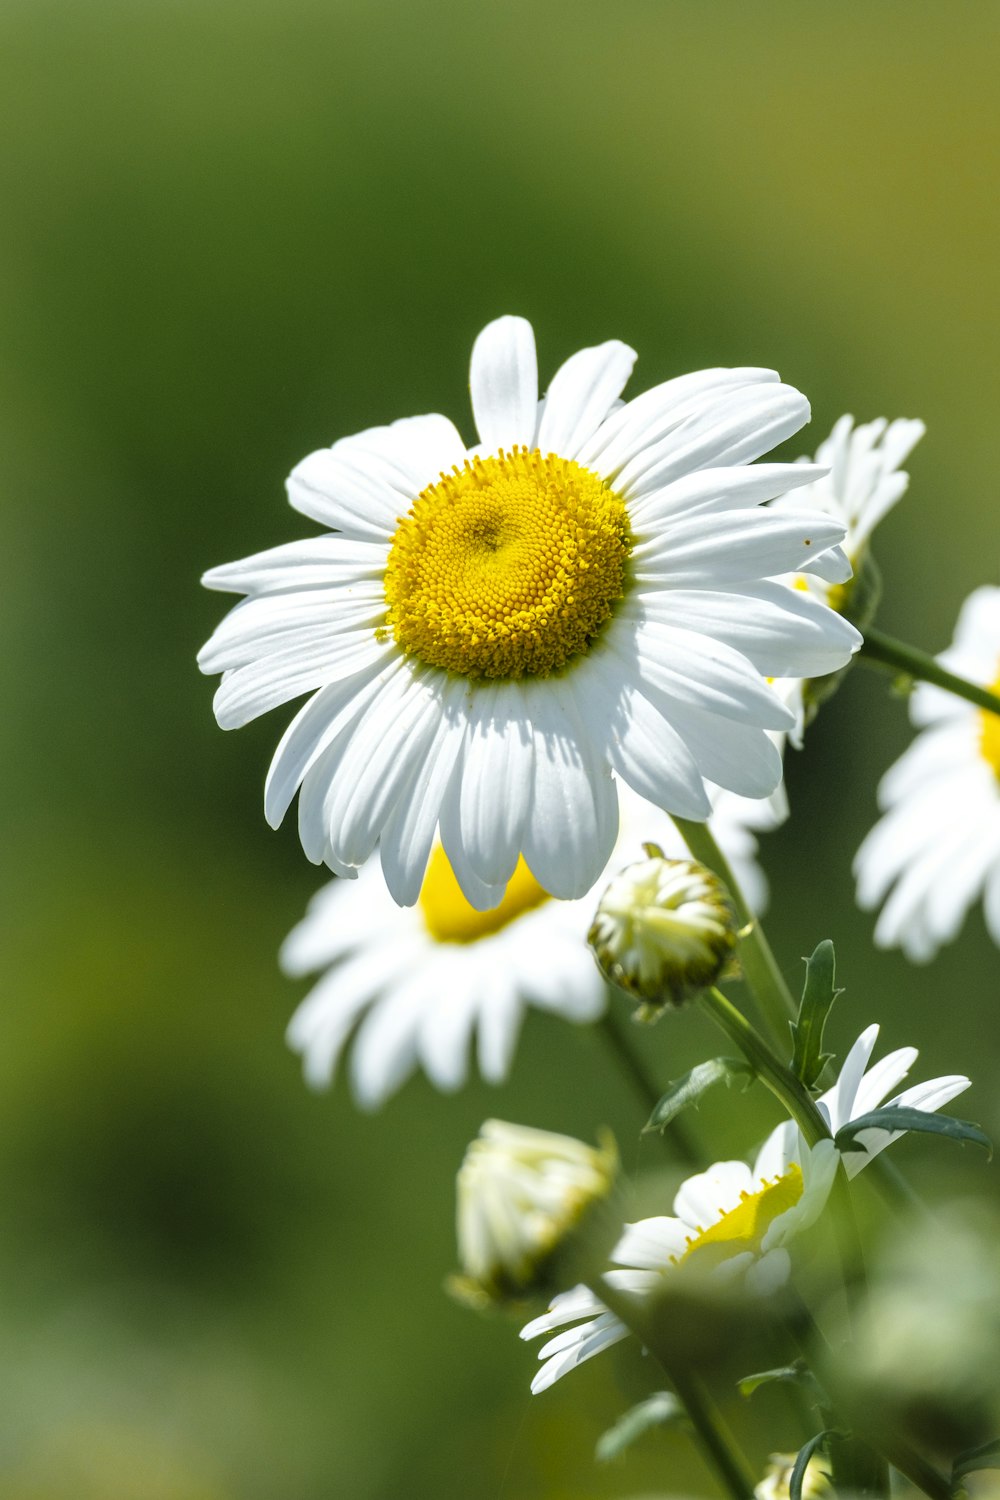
(862, 482)
(734, 1219)
(936, 850)
(420, 983)
(491, 634)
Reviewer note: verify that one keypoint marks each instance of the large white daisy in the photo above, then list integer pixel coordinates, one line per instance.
(936, 850)
(421, 982)
(489, 633)
(736, 1219)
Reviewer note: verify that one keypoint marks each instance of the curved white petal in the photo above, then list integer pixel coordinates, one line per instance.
(503, 379)
(580, 395)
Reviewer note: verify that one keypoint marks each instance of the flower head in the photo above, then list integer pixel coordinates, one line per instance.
(664, 930)
(488, 633)
(776, 1484)
(423, 981)
(734, 1220)
(527, 1201)
(936, 849)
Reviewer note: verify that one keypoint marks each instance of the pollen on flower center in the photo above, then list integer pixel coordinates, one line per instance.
(448, 916)
(744, 1227)
(507, 567)
(989, 734)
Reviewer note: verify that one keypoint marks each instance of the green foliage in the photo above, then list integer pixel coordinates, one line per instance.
(684, 1092)
(815, 1445)
(897, 1117)
(797, 1373)
(818, 995)
(985, 1456)
(660, 1410)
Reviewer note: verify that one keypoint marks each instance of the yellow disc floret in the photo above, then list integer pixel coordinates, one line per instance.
(507, 567)
(743, 1228)
(448, 916)
(989, 734)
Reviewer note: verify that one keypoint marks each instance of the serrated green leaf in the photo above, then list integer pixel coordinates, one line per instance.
(686, 1091)
(898, 1117)
(986, 1456)
(818, 995)
(805, 1453)
(796, 1373)
(660, 1410)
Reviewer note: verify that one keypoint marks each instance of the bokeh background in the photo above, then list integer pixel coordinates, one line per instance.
(232, 232)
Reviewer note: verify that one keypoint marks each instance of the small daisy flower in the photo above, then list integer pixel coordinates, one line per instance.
(729, 1220)
(862, 483)
(423, 980)
(936, 850)
(734, 1219)
(528, 1201)
(664, 930)
(488, 633)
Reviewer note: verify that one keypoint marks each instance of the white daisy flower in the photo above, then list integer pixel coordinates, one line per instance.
(862, 483)
(735, 1219)
(431, 977)
(489, 632)
(528, 1200)
(936, 850)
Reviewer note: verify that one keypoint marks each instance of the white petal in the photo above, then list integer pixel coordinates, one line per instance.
(690, 669)
(703, 1199)
(581, 394)
(500, 1013)
(496, 781)
(571, 829)
(409, 833)
(717, 549)
(735, 429)
(504, 382)
(718, 489)
(256, 688)
(317, 562)
(782, 631)
(739, 757)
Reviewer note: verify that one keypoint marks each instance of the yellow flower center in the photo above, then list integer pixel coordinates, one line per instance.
(989, 734)
(507, 567)
(449, 918)
(744, 1227)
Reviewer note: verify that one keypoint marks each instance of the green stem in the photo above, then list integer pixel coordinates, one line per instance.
(760, 966)
(865, 1422)
(896, 656)
(799, 1103)
(646, 1088)
(717, 1442)
(780, 1079)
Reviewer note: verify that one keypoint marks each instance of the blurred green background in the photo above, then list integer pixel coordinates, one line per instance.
(233, 232)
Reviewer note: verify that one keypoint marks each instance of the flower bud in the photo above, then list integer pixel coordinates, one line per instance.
(664, 930)
(778, 1475)
(531, 1212)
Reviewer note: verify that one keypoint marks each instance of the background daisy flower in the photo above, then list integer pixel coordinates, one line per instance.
(936, 850)
(489, 632)
(420, 983)
(735, 1219)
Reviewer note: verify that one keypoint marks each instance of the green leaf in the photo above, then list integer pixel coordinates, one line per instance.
(796, 1373)
(688, 1090)
(986, 1456)
(660, 1410)
(805, 1453)
(818, 995)
(898, 1117)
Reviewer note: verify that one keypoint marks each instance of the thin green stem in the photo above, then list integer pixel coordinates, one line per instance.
(780, 1079)
(647, 1090)
(799, 1103)
(764, 977)
(884, 651)
(718, 1445)
(865, 1421)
